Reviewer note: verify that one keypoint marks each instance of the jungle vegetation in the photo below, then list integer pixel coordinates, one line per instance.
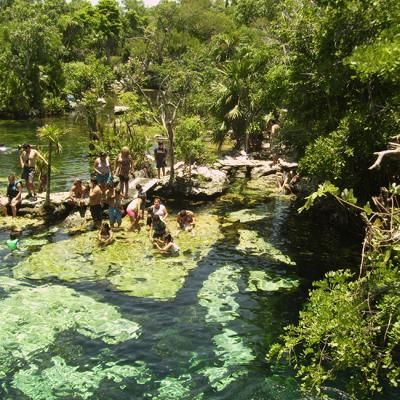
(328, 70)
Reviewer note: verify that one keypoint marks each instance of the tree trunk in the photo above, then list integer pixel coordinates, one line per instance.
(170, 132)
(47, 202)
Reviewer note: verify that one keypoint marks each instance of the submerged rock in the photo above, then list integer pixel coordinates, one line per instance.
(130, 264)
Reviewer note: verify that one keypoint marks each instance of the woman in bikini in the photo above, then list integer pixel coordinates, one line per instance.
(124, 167)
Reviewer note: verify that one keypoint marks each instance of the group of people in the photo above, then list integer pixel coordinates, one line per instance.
(156, 221)
(105, 174)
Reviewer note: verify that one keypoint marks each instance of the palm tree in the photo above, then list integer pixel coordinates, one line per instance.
(52, 135)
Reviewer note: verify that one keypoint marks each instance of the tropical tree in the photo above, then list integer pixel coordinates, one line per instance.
(52, 135)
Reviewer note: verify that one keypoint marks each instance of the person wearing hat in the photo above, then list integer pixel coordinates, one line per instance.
(28, 159)
(160, 155)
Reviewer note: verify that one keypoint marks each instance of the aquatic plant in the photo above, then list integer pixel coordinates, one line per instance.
(252, 243)
(217, 295)
(260, 280)
(33, 317)
(130, 264)
(63, 380)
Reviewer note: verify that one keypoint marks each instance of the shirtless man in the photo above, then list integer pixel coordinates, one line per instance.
(28, 159)
(95, 202)
(76, 193)
(185, 220)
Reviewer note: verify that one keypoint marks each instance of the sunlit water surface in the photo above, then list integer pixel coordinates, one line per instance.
(79, 322)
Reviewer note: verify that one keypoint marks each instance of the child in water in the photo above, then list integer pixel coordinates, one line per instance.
(169, 246)
(13, 242)
(105, 235)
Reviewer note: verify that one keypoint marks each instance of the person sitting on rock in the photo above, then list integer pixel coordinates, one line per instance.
(105, 235)
(185, 220)
(169, 246)
(14, 196)
(76, 194)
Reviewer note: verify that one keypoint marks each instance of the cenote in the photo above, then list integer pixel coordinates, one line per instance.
(126, 323)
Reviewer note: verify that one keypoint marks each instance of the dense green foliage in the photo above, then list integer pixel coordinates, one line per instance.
(327, 69)
(331, 65)
(349, 329)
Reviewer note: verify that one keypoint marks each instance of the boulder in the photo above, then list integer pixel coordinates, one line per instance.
(267, 169)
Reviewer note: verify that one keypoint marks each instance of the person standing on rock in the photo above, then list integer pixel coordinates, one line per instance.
(95, 202)
(28, 159)
(124, 167)
(102, 168)
(160, 155)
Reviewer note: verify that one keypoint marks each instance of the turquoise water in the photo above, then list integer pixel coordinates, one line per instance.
(73, 161)
(125, 323)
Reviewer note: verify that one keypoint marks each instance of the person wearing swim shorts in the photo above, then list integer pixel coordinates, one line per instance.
(113, 198)
(133, 210)
(95, 202)
(160, 155)
(28, 159)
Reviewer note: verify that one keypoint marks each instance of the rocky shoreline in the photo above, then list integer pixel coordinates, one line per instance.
(205, 183)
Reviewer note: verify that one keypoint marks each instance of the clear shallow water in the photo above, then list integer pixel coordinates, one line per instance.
(70, 163)
(207, 341)
(124, 323)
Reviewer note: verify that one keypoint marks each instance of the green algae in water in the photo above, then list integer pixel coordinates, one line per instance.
(252, 243)
(175, 388)
(260, 280)
(62, 380)
(130, 264)
(33, 317)
(217, 294)
(250, 214)
(233, 355)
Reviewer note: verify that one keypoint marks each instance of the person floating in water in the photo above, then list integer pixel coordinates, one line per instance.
(185, 220)
(169, 246)
(13, 242)
(105, 235)
(14, 196)
(28, 159)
